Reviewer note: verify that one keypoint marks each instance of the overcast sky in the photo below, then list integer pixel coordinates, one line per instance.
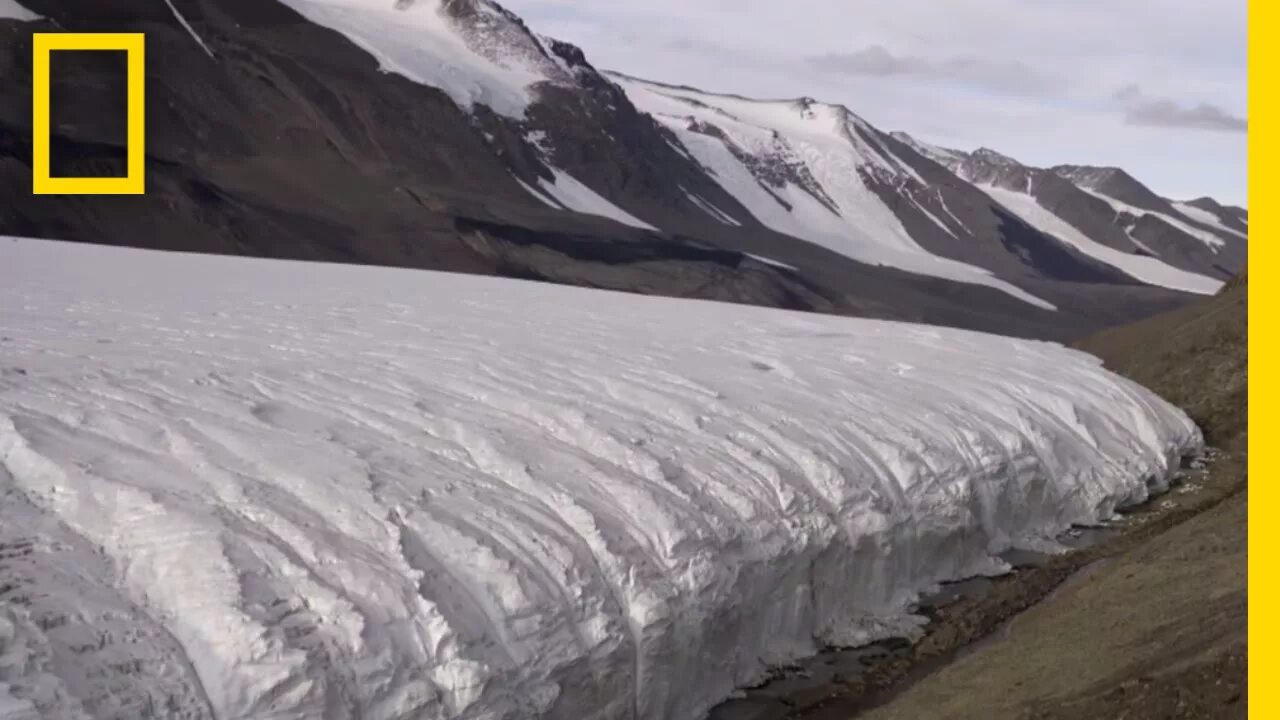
(1155, 86)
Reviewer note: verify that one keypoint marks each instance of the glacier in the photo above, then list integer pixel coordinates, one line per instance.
(239, 488)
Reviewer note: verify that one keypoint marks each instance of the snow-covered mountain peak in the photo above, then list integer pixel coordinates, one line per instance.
(808, 169)
(1206, 203)
(1116, 184)
(993, 157)
(945, 156)
(504, 38)
(477, 51)
(1091, 177)
(811, 108)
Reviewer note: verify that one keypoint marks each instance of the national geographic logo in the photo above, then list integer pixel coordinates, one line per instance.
(134, 180)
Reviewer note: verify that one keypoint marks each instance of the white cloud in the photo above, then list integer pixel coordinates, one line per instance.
(1034, 78)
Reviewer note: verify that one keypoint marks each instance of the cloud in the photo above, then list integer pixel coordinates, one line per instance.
(874, 60)
(877, 61)
(1141, 109)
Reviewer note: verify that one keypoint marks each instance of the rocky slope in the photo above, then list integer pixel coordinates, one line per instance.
(447, 134)
(1109, 215)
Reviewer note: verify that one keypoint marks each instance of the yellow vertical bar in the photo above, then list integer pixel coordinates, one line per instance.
(40, 129)
(137, 121)
(1264, 546)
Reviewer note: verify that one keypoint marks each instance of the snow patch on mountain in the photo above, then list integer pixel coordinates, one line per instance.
(1150, 270)
(10, 9)
(1128, 231)
(943, 202)
(936, 220)
(363, 492)
(190, 30)
(804, 169)
(484, 58)
(542, 197)
(709, 208)
(771, 261)
(575, 196)
(899, 165)
(1214, 242)
(946, 157)
(1205, 217)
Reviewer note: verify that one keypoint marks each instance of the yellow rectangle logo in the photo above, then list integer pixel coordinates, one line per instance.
(134, 47)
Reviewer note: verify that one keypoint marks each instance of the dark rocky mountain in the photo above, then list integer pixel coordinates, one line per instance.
(1234, 218)
(1111, 207)
(447, 134)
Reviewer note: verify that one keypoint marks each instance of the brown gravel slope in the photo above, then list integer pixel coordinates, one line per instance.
(1196, 358)
(1155, 631)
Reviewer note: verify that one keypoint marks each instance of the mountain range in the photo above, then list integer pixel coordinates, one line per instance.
(447, 134)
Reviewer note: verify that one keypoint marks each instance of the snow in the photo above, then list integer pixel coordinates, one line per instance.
(823, 139)
(771, 261)
(575, 196)
(242, 488)
(1214, 242)
(941, 155)
(10, 707)
(10, 9)
(567, 193)
(709, 208)
(681, 151)
(539, 139)
(901, 165)
(942, 201)
(936, 220)
(1149, 270)
(190, 30)
(538, 194)
(414, 39)
(1205, 217)
(1141, 245)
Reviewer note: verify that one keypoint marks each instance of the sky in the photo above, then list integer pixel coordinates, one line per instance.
(1158, 87)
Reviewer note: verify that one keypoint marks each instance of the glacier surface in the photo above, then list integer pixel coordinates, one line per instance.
(240, 488)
